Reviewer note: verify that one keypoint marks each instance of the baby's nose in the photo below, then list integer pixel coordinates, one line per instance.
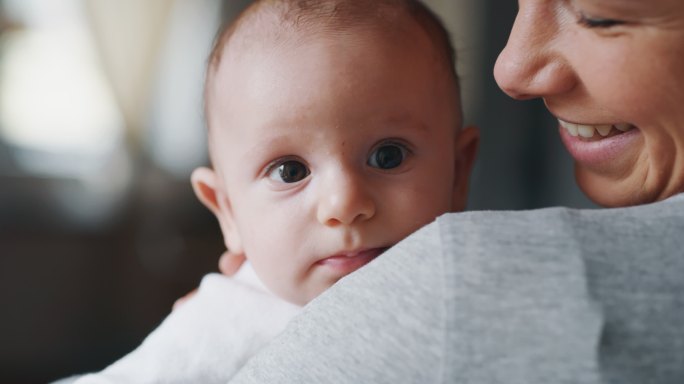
(345, 200)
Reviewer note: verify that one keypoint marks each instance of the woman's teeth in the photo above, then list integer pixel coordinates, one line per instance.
(588, 131)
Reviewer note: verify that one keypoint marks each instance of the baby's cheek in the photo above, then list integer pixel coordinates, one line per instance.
(267, 270)
(283, 281)
(435, 203)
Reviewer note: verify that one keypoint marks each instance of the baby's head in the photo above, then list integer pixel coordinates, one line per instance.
(334, 132)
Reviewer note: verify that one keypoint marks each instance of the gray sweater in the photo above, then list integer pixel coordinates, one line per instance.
(546, 296)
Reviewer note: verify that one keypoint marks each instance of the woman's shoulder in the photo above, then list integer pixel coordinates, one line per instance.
(566, 275)
(539, 224)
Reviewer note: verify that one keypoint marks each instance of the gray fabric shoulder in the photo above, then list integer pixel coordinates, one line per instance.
(375, 326)
(546, 296)
(519, 306)
(562, 295)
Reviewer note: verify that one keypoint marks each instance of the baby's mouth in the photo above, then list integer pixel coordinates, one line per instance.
(349, 261)
(586, 132)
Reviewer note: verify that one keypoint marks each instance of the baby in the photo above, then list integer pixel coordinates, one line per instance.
(334, 132)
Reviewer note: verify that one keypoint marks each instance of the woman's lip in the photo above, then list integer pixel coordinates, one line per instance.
(596, 153)
(348, 262)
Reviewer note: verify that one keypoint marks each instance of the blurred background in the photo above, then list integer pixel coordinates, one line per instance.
(100, 127)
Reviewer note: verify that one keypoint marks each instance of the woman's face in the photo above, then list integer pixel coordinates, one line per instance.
(612, 72)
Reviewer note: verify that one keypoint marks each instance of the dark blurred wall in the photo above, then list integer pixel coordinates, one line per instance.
(80, 290)
(75, 298)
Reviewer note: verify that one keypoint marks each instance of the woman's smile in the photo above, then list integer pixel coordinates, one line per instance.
(594, 132)
(597, 146)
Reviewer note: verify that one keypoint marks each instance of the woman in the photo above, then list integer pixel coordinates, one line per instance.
(614, 66)
(554, 295)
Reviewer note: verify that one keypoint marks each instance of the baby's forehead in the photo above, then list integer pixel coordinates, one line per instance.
(272, 30)
(268, 31)
(265, 57)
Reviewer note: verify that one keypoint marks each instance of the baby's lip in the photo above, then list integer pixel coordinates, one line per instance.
(349, 261)
(360, 252)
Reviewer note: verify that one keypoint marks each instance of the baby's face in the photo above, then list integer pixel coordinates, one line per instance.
(331, 151)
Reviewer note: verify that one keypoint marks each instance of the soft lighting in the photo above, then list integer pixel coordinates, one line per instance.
(58, 114)
(53, 96)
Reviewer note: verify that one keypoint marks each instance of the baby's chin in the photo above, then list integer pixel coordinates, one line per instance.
(302, 298)
(294, 293)
(323, 274)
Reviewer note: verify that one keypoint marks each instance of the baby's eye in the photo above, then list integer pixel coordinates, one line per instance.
(290, 171)
(387, 156)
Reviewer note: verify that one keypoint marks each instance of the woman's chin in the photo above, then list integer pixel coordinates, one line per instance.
(614, 192)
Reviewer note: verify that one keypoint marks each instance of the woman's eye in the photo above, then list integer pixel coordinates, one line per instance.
(290, 171)
(387, 156)
(594, 22)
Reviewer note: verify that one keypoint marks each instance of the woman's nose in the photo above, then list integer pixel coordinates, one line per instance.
(533, 63)
(345, 199)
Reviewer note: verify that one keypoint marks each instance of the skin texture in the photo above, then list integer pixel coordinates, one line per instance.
(625, 68)
(330, 102)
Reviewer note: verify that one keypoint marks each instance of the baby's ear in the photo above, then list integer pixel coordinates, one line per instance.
(209, 191)
(466, 145)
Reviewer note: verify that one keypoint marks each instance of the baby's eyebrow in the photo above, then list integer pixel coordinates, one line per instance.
(406, 122)
(265, 147)
(274, 140)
